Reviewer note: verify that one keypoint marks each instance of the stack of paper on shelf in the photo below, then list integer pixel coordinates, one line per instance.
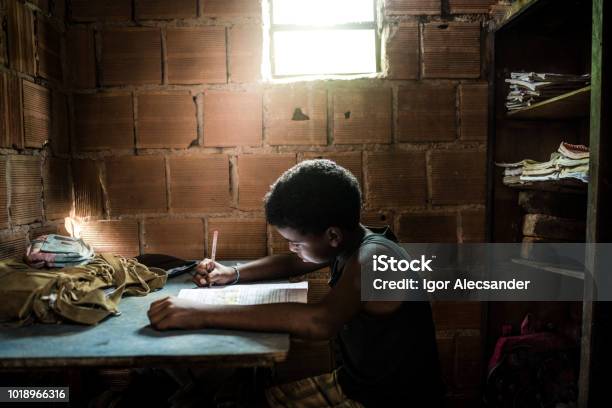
(528, 88)
(568, 162)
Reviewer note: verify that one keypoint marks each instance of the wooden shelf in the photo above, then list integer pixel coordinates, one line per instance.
(548, 267)
(554, 186)
(571, 105)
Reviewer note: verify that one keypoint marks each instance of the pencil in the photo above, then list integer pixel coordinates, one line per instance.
(214, 249)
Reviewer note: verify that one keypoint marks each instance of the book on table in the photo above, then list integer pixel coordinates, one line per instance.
(249, 294)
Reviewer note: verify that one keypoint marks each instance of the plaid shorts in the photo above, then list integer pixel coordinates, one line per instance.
(322, 391)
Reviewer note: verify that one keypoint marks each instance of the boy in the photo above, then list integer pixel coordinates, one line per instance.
(388, 349)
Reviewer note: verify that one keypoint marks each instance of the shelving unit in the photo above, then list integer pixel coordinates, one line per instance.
(566, 37)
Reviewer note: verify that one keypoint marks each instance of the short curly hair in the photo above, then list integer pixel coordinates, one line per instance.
(313, 196)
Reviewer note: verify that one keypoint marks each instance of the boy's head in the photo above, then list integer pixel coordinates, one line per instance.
(313, 205)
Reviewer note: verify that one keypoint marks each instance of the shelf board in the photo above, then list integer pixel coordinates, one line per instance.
(571, 105)
(554, 186)
(548, 267)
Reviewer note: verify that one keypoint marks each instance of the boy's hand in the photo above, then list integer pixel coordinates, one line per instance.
(175, 313)
(209, 272)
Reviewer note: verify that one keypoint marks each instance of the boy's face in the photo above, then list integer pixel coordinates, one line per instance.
(310, 247)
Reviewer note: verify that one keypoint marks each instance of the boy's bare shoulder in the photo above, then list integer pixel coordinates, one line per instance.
(366, 252)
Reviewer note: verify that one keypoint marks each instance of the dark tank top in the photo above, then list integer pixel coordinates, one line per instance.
(389, 360)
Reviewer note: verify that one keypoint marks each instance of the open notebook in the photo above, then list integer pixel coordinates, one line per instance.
(249, 294)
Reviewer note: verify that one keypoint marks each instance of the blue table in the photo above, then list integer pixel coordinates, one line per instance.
(128, 340)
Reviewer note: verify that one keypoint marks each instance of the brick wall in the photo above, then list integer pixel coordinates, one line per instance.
(173, 120)
(173, 132)
(35, 177)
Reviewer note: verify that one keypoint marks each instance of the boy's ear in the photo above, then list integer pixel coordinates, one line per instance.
(334, 236)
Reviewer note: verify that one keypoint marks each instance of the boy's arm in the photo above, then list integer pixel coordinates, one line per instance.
(276, 267)
(272, 267)
(314, 321)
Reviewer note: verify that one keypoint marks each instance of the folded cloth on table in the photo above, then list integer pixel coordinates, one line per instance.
(57, 251)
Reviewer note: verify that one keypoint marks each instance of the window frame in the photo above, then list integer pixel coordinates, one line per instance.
(372, 25)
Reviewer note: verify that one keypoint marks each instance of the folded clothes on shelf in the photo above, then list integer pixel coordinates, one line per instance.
(568, 162)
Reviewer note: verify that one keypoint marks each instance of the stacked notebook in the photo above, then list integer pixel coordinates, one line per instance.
(568, 162)
(528, 88)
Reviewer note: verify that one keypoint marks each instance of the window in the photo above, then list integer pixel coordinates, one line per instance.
(314, 37)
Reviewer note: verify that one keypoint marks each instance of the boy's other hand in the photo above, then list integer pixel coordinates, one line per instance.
(209, 272)
(175, 313)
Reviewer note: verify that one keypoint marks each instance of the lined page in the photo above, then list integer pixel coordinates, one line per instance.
(253, 294)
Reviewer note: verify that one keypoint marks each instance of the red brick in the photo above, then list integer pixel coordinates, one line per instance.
(256, 173)
(349, 160)
(245, 53)
(34, 233)
(473, 226)
(457, 177)
(82, 64)
(166, 10)
(396, 179)
(60, 136)
(238, 238)
(4, 98)
(20, 35)
(3, 193)
(131, 56)
(232, 119)
(377, 218)
(136, 184)
(3, 49)
(403, 52)
(413, 7)
(451, 50)
(36, 114)
(183, 238)
(232, 8)
(469, 357)
(104, 121)
(49, 50)
(88, 198)
(282, 125)
(57, 191)
(427, 112)
(116, 237)
(317, 290)
(199, 184)
(196, 55)
(110, 10)
(166, 120)
(474, 111)
(278, 244)
(362, 116)
(12, 245)
(470, 6)
(457, 315)
(26, 189)
(11, 111)
(427, 228)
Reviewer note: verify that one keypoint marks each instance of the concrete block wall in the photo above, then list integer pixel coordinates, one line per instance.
(35, 180)
(172, 117)
(158, 115)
